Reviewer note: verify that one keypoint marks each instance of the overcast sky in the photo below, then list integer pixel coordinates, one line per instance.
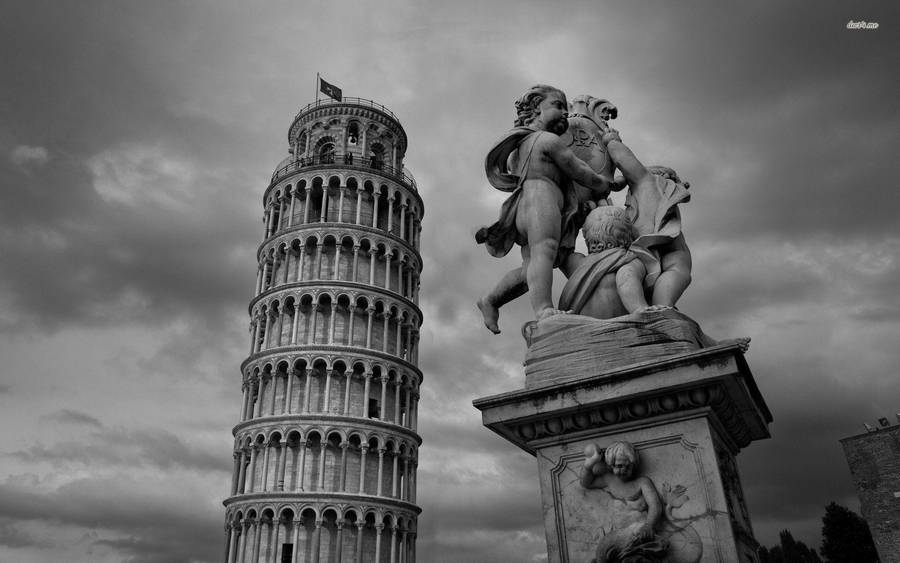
(137, 138)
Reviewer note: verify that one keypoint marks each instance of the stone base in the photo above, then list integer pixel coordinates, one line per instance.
(687, 415)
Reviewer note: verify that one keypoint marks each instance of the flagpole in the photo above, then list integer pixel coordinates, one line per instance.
(317, 88)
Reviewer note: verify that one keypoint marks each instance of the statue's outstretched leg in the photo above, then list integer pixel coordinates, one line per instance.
(511, 286)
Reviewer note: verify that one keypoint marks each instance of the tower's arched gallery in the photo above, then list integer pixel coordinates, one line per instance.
(326, 448)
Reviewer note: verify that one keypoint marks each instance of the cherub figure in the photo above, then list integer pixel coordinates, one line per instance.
(610, 280)
(541, 215)
(654, 193)
(637, 508)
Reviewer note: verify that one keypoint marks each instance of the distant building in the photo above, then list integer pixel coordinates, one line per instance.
(326, 447)
(874, 459)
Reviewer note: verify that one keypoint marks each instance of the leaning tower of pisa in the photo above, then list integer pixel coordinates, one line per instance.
(326, 448)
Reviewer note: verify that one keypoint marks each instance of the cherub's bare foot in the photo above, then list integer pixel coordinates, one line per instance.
(490, 313)
(549, 312)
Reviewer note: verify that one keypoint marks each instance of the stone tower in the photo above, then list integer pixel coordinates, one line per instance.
(326, 448)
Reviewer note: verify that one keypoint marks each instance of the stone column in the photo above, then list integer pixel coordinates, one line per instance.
(327, 401)
(384, 335)
(293, 200)
(359, 194)
(380, 469)
(242, 542)
(295, 324)
(306, 390)
(242, 477)
(317, 541)
(273, 378)
(235, 472)
(394, 544)
(387, 270)
(259, 280)
(341, 220)
(302, 467)
(408, 394)
(376, 195)
(311, 337)
(390, 223)
(232, 536)
(371, 311)
(340, 540)
(331, 322)
(343, 480)
(403, 209)
(317, 275)
(366, 388)
(349, 374)
(301, 258)
(323, 215)
(265, 472)
(360, 524)
(282, 465)
(364, 449)
(322, 446)
(289, 393)
(397, 402)
(395, 492)
(257, 537)
(245, 397)
(379, 527)
(372, 253)
(351, 310)
(251, 474)
(382, 415)
(355, 262)
(306, 204)
(295, 552)
(277, 525)
(404, 490)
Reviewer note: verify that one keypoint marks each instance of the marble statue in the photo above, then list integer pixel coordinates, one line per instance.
(544, 211)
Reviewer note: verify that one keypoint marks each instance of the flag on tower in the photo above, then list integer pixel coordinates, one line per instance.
(329, 90)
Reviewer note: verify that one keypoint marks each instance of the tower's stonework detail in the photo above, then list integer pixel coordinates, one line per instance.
(326, 448)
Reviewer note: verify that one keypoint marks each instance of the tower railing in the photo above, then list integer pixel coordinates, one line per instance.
(349, 160)
(346, 100)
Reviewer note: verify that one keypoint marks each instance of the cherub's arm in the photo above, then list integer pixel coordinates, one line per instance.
(593, 472)
(623, 158)
(575, 168)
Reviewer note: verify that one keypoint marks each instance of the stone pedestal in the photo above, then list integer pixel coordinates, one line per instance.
(688, 416)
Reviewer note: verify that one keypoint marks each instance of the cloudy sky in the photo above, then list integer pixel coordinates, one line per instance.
(136, 139)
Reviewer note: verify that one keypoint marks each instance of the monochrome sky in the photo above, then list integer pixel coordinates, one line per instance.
(137, 138)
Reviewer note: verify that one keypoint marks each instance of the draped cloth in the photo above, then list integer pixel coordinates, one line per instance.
(500, 237)
(582, 284)
(653, 211)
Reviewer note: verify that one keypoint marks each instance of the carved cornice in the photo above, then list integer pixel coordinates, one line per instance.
(714, 383)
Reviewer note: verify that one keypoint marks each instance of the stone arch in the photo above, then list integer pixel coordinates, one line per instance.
(325, 149)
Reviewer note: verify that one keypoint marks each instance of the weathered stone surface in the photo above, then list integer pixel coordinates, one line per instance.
(563, 347)
(688, 415)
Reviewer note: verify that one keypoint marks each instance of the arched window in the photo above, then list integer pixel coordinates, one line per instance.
(326, 153)
(301, 144)
(377, 155)
(353, 134)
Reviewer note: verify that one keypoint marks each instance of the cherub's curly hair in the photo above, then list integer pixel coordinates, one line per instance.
(607, 227)
(620, 448)
(530, 100)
